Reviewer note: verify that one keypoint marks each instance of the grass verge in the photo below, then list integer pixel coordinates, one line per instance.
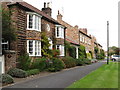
(104, 77)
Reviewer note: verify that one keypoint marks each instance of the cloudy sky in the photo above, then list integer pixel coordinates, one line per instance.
(90, 14)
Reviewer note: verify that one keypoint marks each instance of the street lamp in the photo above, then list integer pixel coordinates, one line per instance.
(107, 42)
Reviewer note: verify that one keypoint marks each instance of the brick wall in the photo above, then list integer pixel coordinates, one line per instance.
(10, 59)
(72, 33)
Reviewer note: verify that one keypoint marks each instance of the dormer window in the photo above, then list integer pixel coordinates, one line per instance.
(33, 21)
(59, 31)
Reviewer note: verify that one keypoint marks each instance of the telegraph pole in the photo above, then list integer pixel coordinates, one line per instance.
(107, 42)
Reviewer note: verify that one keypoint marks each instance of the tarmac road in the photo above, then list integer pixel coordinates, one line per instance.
(60, 79)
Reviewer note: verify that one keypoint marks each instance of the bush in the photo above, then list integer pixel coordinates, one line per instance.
(40, 64)
(24, 62)
(79, 62)
(51, 69)
(69, 61)
(87, 61)
(6, 79)
(56, 65)
(32, 72)
(15, 72)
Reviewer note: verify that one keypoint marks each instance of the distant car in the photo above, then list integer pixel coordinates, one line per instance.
(115, 58)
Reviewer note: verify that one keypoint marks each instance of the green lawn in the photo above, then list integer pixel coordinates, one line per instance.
(104, 77)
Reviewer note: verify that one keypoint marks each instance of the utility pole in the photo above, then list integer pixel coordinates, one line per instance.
(107, 42)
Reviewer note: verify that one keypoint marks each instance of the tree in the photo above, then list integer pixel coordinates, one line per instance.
(114, 50)
(8, 30)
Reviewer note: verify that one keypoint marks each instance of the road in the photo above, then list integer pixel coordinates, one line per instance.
(60, 79)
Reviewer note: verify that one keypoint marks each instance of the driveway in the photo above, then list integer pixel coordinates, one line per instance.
(60, 79)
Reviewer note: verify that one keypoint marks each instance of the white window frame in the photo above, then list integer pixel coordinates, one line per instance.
(36, 48)
(38, 21)
(60, 30)
(51, 43)
(61, 49)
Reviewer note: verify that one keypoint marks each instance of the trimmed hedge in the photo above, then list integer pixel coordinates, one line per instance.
(6, 79)
(69, 61)
(15, 72)
(32, 72)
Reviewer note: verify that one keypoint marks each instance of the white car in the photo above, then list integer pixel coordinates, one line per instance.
(115, 57)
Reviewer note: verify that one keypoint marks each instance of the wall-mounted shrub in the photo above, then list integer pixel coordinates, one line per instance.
(32, 72)
(69, 61)
(70, 50)
(82, 52)
(15, 72)
(6, 79)
(89, 55)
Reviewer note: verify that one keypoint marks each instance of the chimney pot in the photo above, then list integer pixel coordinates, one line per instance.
(48, 5)
(44, 4)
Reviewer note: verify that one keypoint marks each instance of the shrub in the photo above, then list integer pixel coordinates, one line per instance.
(40, 64)
(51, 69)
(32, 72)
(24, 62)
(87, 61)
(56, 65)
(6, 79)
(69, 61)
(79, 62)
(15, 72)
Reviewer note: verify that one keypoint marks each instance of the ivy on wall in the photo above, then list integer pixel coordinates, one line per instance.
(82, 52)
(70, 50)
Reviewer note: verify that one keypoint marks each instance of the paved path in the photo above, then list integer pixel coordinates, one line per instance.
(59, 80)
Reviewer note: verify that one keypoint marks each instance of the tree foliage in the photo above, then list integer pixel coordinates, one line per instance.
(114, 50)
(8, 30)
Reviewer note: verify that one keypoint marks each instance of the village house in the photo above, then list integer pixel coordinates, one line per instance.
(29, 23)
(79, 36)
(71, 34)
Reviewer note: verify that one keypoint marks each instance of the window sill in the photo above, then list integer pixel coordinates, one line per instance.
(33, 29)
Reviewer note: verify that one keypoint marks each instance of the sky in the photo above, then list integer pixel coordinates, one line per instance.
(90, 14)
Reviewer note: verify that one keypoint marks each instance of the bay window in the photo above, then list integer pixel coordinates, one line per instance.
(33, 21)
(34, 47)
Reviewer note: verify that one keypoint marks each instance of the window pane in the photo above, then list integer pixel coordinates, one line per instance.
(31, 47)
(30, 21)
(57, 31)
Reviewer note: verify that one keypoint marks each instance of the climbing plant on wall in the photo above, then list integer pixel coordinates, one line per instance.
(82, 52)
(70, 50)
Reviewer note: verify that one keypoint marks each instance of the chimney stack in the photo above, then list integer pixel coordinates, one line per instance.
(59, 16)
(47, 9)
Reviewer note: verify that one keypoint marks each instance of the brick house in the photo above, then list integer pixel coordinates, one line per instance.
(29, 22)
(71, 34)
(85, 39)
